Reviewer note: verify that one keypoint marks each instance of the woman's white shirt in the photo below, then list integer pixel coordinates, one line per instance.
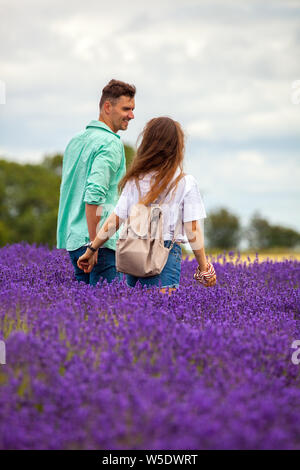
(185, 202)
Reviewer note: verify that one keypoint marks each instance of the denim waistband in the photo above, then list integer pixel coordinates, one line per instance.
(167, 244)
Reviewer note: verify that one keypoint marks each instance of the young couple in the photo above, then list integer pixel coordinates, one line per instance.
(94, 172)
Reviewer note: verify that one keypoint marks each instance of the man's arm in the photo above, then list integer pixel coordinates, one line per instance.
(87, 261)
(93, 216)
(105, 165)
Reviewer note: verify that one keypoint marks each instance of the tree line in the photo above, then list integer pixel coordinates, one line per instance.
(224, 230)
(29, 197)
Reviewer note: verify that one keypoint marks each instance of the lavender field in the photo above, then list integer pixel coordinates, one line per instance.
(117, 368)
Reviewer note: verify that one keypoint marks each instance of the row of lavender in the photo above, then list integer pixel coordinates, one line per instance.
(117, 368)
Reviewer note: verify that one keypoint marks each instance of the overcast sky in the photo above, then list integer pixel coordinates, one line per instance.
(228, 71)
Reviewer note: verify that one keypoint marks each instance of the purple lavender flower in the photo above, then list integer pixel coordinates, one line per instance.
(111, 367)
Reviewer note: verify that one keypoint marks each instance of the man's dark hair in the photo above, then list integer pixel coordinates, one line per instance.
(114, 89)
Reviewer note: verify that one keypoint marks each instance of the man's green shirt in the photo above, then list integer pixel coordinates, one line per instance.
(93, 164)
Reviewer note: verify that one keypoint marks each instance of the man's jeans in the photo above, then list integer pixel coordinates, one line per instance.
(105, 267)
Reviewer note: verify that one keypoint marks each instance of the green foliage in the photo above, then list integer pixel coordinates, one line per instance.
(29, 196)
(262, 235)
(222, 229)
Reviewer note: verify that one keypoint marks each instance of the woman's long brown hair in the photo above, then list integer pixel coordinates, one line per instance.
(161, 151)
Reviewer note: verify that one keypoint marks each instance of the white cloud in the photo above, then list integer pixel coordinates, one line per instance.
(2, 92)
(253, 158)
(245, 171)
(30, 155)
(201, 129)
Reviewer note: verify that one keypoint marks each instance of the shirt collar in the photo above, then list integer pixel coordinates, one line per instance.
(101, 125)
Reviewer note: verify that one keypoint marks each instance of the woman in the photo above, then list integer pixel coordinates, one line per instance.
(156, 175)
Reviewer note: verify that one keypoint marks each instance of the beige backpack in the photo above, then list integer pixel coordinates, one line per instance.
(140, 248)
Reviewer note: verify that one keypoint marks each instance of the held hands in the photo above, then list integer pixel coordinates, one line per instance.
(207, 278)
(87, 261)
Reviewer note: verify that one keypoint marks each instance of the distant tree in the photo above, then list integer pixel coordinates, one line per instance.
(284, 236)
(29, 203)
(262, 235)
(5, 236)
(222, 229)
(258, 232)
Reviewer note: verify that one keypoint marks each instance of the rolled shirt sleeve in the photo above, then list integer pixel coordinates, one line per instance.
(122, 206)
(106, 163)
(193, 207)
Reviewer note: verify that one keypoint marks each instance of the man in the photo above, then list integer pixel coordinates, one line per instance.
(93, 164)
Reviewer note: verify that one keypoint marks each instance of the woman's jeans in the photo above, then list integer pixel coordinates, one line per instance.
(170, 275)
(105, 267)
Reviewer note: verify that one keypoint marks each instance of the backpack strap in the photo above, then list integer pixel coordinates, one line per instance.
(156, 221)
